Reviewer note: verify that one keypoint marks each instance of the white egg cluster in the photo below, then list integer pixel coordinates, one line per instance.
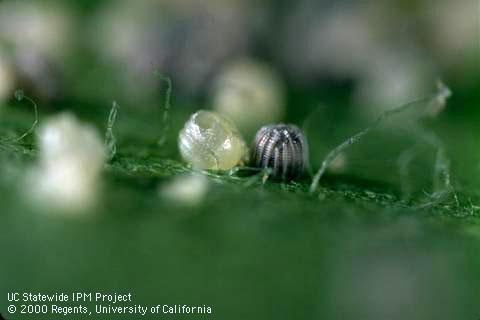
(71, 157)
(250, 94)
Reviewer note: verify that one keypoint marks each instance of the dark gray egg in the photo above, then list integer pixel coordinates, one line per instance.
(283, 149)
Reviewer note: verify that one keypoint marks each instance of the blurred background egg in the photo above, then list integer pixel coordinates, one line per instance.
(39, 37)
(249, 93)
(393, 78)
(186, 40)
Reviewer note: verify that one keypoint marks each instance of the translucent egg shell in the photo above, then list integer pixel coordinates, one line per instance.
(209, 141)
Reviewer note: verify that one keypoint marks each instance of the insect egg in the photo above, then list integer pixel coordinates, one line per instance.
(71, 159)
(209, 141)
(249, 93)
(282, 148)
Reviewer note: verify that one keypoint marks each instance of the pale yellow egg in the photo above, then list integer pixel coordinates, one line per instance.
(209, 141)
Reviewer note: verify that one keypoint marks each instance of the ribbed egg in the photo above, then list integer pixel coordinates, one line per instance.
(209, 141)
(283, 149)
